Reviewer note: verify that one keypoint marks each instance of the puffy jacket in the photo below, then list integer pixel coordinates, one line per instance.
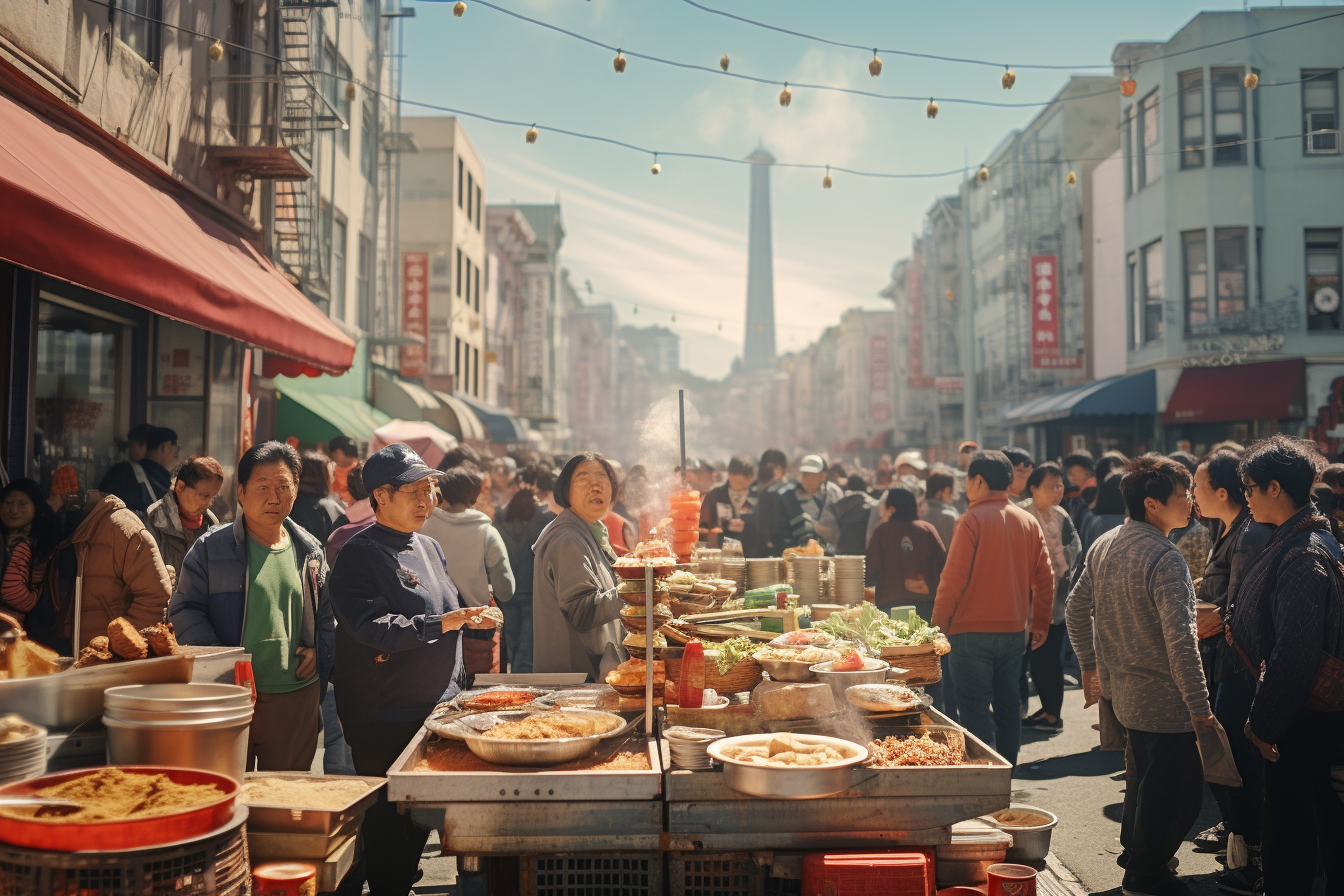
(210, 602)
(115, 568)
(165, 524)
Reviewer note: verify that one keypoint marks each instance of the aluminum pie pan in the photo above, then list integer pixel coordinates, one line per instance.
(506, 751)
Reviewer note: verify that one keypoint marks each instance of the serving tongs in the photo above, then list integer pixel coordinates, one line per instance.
(64, 807)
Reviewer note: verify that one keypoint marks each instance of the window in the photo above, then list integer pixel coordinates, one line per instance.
(1135, 309)
(1229, 116)
(370, 18)
(368, 139)
(1194, 246)
(326, 223)
(471, 194)
(1150, 128)
(457, 361)
(338, 236)
(364, 283)
(478, 208)
(1192, 118)
(460, 170)
(1152, 293)
(470, 267)
(1130, 136)
(344, 78)
(1323, 279)
(1230, 260)
(459, 273)
(138, 27)
(1320, 111)
(476, 372)
(476, 292)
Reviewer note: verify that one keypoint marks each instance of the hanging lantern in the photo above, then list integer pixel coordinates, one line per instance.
(1251, 81)
(636, 309)
(618, 63)
(723, 62)
(350, 91)
(785, 95)
(1071, 179)
(217, 51)
(931, 109)
(947, 294)
(826, 181)
(875, 67)
(674, 317)
(459, 9)
(720, 326)
(1128, 86)
(656, 169)
(531, 135)
(1008, 79)
(983, 174)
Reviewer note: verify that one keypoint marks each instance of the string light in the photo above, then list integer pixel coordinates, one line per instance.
(674, 317)
(875, 67)
(531, 135)
(982, 175)
(619, 62)
(459, 9)
(350, 92)
(948, 294)
(656, 169)
(931, 109)
(723, 62)
(1251, 81)
(720, 326)
(1071, 179)
(1008, 79)
(785, 95)
(826, 181)
(1128, 85)
(216, 51)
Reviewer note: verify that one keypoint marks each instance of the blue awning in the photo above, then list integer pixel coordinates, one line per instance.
(505, 428)
(1123, 395)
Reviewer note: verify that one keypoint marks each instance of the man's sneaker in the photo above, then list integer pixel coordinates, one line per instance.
(1247, 881)
(1169, 885)
(1212, 840)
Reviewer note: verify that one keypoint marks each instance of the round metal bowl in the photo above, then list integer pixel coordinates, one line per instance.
(873, 672)
(474, 731)
(788, 670)
(785, 782)
(1031, 843)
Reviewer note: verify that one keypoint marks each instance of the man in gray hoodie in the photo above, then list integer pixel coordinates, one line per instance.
(1131, 619)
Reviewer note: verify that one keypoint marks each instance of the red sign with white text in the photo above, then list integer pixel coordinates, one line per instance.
(415, 312)
(1045, 312)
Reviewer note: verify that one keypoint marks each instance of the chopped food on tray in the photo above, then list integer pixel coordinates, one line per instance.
(306, 792)
(786, 750)
(553, 726)
(892, 752)
(114, 794)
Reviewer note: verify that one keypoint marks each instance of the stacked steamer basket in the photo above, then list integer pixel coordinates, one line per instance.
(685, 522)
(23, 749)
(735, 570)
(635, 615)
(807, 573)
(847, 580)
(763, 572)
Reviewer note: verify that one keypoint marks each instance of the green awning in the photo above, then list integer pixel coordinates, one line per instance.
(313, 416)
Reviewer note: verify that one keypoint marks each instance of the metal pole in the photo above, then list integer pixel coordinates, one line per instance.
(650, 655)
(970, 399)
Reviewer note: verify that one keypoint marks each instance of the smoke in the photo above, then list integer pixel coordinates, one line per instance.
(660, 452)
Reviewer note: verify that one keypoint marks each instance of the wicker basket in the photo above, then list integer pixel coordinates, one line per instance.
(686, 608)
(742, 677)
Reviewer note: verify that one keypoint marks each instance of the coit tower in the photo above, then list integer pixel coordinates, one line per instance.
(758, 348)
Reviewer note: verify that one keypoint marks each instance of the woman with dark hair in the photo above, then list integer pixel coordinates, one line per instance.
(1107, 513)
(575, 602)
(520, 524)
(28, 535)
(259, 584)
(315, 508)
(180, 517)
(905, 556)
(1045, 488)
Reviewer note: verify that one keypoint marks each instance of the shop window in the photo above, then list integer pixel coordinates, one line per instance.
(1194, 250)
(138, 28)
(177, 391)
(1323, 279)
(1192, 118)
(225, 414)
(1229, 116)
(1152, 292)
(1320, 111)
(1230, 261)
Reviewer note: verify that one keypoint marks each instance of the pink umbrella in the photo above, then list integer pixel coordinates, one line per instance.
(430, 442)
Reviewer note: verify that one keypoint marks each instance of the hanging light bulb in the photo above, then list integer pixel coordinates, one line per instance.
(949, 295)
(674, 317)
(826, 181)
(656, 169)
(875, 66)
(636, 309)
(720, 326)
(723, 62)
(531, 135)
(217, 51)
(618, 63)
(1251, 81)
(1128, 85)
(1071, 179)
(931, 109)
(785, 95)
(982, 175)
(1008, 79)
(350, 92)
(459, 9)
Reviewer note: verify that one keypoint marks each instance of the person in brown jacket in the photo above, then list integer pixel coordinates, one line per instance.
(997, 585)
(116, 571)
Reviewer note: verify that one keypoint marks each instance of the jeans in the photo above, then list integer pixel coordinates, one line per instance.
(518, 632)
(1304, 817)
(336, 758)
(985, 669)
(1164, 790)
(1047, 669)
(392, 842)
(1241, 807)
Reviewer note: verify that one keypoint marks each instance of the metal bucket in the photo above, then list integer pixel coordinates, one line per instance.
(215, 741)
(176, 697)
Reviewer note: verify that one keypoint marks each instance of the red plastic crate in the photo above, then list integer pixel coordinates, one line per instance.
(908, 872)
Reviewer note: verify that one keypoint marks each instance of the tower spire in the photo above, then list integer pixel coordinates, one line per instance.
(758, 346)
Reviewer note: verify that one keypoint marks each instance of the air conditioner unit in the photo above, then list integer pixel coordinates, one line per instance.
(1322, 133)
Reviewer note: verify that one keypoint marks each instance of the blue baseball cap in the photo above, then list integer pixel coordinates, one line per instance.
(396, 465)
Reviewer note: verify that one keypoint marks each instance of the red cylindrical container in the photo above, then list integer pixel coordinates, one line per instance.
(691, 693)
(242, 676)
(284, 879)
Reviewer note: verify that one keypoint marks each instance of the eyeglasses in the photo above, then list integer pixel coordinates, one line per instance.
(1248, 487)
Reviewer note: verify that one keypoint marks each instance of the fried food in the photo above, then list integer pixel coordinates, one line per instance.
(493, 700)
(161, 639)
(892, 752)
(554, 726)
(788, 751)
(92, 657)
(114, 794)
(126, 642)
(631, 673)
(14, 727)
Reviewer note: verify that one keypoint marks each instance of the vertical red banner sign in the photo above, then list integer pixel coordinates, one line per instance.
(879, 379)
(1044, 311)
(914, 294)
(415, 312)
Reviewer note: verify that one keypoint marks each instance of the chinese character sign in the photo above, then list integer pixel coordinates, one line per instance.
(879, 377)
(414, 311)
(915, 335)
(1044, 311)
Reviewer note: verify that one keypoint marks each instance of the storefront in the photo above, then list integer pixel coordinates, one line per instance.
(1242, 403)
(1114, 413)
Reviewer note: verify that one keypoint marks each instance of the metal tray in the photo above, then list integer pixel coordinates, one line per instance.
(70, 698)
(287, 820)
(273, 846)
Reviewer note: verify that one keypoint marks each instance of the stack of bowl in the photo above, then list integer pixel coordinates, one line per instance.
(807, 579)
(23, 751)
(763, 571)
(847, 580)
(688, 746)
(202, 726)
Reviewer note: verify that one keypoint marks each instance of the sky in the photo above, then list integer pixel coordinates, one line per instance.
(675, 243)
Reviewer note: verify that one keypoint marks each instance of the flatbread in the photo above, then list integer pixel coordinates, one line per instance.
(882, 697)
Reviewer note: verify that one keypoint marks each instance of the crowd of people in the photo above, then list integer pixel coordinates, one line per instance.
(367, 592)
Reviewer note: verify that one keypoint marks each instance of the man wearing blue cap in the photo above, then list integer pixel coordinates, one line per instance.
(398, 652)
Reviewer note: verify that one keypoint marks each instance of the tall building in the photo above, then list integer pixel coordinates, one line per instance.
(758, 348)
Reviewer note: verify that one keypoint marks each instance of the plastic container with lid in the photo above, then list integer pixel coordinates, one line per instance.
(974, 847)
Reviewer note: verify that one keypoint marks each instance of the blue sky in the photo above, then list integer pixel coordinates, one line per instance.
(677, 242)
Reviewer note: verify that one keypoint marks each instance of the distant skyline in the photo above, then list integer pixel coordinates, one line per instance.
(676, 242)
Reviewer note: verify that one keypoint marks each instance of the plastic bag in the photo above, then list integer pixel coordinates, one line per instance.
(1215, 754)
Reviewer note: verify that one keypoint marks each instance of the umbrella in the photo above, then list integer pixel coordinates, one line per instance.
(430, 442)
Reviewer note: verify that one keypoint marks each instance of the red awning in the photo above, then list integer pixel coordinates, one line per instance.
(76, 211)
(1272, 390)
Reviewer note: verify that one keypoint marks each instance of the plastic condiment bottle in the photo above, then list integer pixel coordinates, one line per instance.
(692, 685)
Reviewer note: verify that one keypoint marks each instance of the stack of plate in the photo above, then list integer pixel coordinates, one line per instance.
(763, 571)
(807, 579)
(847, 580)
(23, 754)
(688, 746)
(736, 570)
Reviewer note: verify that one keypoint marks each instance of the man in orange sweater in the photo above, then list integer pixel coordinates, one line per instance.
(996, 585)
